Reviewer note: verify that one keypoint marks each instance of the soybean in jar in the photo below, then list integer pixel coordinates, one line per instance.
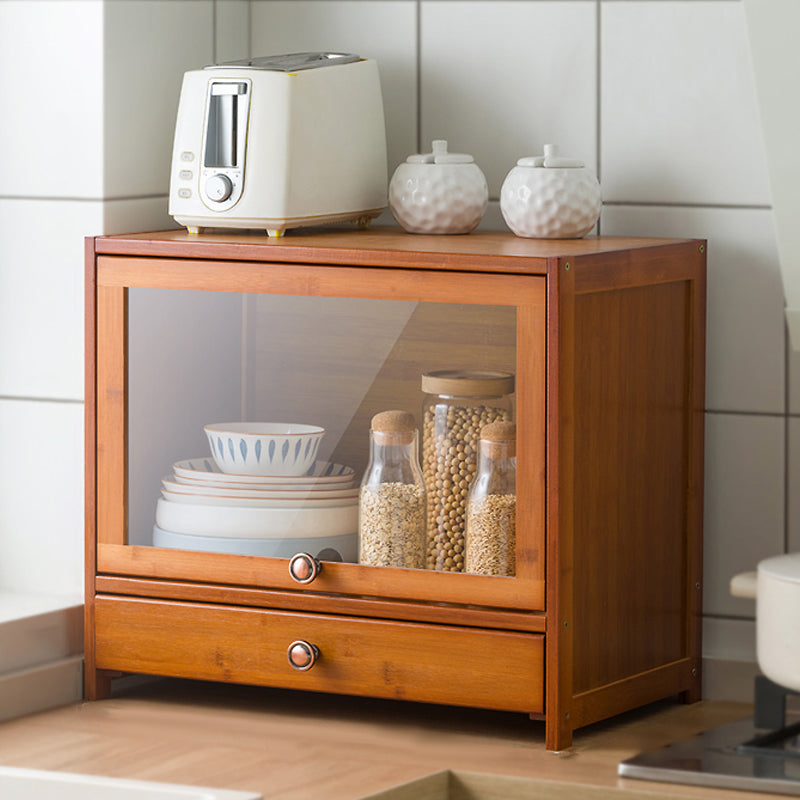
(458, 404)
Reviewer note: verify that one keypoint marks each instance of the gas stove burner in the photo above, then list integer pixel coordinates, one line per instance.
(761, 754)
(783, 743)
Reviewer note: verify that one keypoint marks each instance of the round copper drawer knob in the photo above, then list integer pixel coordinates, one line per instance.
(304, 568)
(302, 655)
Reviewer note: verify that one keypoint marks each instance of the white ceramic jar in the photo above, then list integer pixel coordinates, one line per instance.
(550, 197)
(438, 192)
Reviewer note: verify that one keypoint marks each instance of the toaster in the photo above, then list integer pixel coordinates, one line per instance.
(280, 142)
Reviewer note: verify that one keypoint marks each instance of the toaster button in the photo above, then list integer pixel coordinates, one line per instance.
(219, 188)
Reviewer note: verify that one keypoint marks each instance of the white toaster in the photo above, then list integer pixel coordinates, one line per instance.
(280, 142)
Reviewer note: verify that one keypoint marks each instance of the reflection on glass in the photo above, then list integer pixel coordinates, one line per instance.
(197, 358)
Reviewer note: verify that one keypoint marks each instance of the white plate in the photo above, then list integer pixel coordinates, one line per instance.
(326, 548)
(208, 499)
(204, 470)
(199, 519)
(257, 493)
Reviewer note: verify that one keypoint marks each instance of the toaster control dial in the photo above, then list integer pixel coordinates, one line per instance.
(219, 188)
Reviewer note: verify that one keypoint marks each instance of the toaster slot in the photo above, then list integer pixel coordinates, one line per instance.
(222, 132)
(222, 174)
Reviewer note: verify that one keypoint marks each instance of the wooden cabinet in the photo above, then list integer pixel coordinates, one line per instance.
(606, 340)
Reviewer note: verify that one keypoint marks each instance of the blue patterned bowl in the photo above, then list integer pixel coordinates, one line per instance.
(264, 448)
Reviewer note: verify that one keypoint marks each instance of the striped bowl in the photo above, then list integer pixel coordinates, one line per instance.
(264, 448)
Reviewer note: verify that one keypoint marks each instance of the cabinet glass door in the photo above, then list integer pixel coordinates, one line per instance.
(194, 494)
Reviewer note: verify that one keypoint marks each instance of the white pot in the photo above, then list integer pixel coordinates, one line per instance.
(550, 197)
(775, 586)
(438, 192)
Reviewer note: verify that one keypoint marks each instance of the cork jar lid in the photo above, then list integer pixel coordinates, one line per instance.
(468, 383)
(394, 427)
(499, 439)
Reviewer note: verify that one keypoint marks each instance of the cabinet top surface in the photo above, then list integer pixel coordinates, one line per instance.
(376, 247)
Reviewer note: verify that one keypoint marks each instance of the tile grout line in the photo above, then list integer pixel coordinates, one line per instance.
(67, 199)
(419, 74)
(728, 618)
(729, 412)
(33, 399)
(787, 397)
(598, 100)
(671, 204)
(608, 203)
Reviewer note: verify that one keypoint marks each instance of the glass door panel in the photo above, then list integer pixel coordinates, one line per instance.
(202, 358)
(322, 346)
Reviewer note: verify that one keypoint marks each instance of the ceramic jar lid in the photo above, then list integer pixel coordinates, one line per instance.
(550, 160)
(440, 155)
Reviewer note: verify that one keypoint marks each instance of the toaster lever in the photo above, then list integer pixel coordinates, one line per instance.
(228, 88)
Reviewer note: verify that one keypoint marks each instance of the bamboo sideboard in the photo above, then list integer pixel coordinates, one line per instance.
(606, 337)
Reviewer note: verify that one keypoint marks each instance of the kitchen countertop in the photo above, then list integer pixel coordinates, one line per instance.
(297, 745)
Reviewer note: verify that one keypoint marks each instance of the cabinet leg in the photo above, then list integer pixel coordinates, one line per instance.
(558, 735)
(692, 695)
(97, 684)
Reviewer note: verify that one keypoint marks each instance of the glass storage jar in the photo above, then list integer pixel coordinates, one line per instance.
(457, 405)
(391, 519)
(492, 503)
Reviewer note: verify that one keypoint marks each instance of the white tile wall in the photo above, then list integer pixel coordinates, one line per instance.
(51, 53)
(41, 512)
(232, 30)
(92, 93)
(744, 503)
(679, 113)
(148, 47)
(793, 367)
(136, 214)
(793, 485)
(500, 79)
(383, 30)
(41, 286)
(730, 639)
(656, 93)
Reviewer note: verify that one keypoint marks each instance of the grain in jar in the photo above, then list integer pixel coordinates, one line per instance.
(391, 520)
(458, 404)
(491, 535)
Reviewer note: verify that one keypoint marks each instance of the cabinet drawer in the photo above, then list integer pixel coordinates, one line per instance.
(410, 661)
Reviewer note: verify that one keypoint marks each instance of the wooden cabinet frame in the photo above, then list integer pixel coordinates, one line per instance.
(604, 613)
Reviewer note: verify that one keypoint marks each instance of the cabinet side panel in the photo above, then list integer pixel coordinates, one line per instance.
(632, 429)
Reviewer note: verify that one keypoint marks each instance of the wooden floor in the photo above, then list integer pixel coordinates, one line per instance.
(298, 746)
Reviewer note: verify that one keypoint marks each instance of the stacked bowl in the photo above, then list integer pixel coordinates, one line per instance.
(262, 492)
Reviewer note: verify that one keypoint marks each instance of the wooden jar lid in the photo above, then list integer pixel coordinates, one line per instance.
(468, 383)
(393, 427)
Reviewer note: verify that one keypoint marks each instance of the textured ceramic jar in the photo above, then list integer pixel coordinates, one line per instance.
(550, 197)
(438, 192)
